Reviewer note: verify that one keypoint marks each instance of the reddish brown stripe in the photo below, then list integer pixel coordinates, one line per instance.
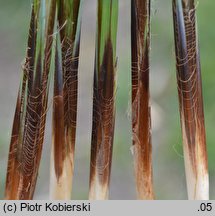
(58, 118)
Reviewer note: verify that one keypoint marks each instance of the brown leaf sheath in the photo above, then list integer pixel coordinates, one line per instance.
(32, 113)
(103, 128)
(14, 159)
(103, 113)
(59, 188)
(69, 21)
(141, 116)
(42, 96)
(190, 99)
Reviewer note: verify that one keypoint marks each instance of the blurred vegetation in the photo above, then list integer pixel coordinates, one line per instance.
(169, 175)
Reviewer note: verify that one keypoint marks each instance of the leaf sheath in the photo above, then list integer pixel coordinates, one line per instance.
(30, 115)
(103, 99)
(141, 116)
(190, 99)
(65, 98)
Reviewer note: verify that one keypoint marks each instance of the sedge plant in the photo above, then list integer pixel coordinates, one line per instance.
(103, 99)
(30, 115)
(190, 99)
(31, 107)
(65, 98)
(141, 113)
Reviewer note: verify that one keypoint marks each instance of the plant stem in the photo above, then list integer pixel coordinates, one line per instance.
(103, 99)
(30, 115)
(190, 99)
(141, 113)
(65, 98)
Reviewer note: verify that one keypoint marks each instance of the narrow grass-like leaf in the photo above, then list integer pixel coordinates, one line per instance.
(141, 115)
(103, 99)
(65, 94)
(190, 99)
(29, 121)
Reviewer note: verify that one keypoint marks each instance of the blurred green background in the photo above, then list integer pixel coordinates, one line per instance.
(168, 164)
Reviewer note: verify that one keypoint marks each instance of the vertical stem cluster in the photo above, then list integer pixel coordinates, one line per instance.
(141, 114)
(190, 99)
(65, 98)
(30, 115)
(103, 99)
